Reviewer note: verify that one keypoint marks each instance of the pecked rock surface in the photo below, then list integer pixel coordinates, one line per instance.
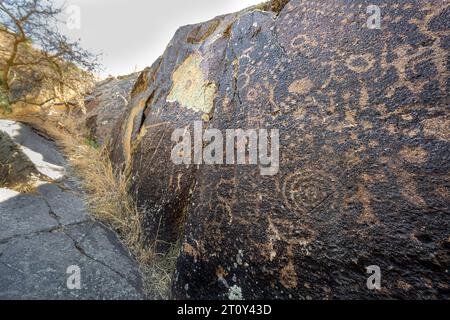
(364, 152)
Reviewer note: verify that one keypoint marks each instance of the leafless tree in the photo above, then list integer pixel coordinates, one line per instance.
(38, 54)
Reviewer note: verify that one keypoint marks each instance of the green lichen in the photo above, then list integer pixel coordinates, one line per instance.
(235, 293)
(190, 88)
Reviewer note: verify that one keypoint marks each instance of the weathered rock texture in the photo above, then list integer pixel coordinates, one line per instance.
(16, 170)
(363, 119)
(106, 103)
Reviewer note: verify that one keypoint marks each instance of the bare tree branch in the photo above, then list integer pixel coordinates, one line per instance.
(39, 52)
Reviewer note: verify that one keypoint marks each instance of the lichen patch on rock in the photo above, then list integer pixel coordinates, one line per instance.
(190, 88)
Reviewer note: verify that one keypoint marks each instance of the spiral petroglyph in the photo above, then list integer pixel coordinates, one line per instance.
(304, 190)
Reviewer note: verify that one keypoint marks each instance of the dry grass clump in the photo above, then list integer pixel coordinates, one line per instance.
(274, 5)
(108, 199)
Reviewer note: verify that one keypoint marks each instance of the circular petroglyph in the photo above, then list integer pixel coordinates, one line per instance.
(303, 191)
(243, 80)
(303, 41)
(252, 95)
(360, 62)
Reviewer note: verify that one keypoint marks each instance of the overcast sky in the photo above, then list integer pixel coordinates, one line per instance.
(133, 33)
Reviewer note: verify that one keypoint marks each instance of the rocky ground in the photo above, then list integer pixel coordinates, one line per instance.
(46, 235)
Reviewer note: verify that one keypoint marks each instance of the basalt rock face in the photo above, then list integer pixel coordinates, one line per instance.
(364, 152)
(178, 89)
(106, 104)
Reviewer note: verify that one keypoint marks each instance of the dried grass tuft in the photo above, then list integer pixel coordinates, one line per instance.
(273, 5)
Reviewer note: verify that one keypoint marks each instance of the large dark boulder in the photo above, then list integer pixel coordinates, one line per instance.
(364, 152)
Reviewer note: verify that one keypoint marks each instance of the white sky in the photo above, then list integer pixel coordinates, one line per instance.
(131, 34)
